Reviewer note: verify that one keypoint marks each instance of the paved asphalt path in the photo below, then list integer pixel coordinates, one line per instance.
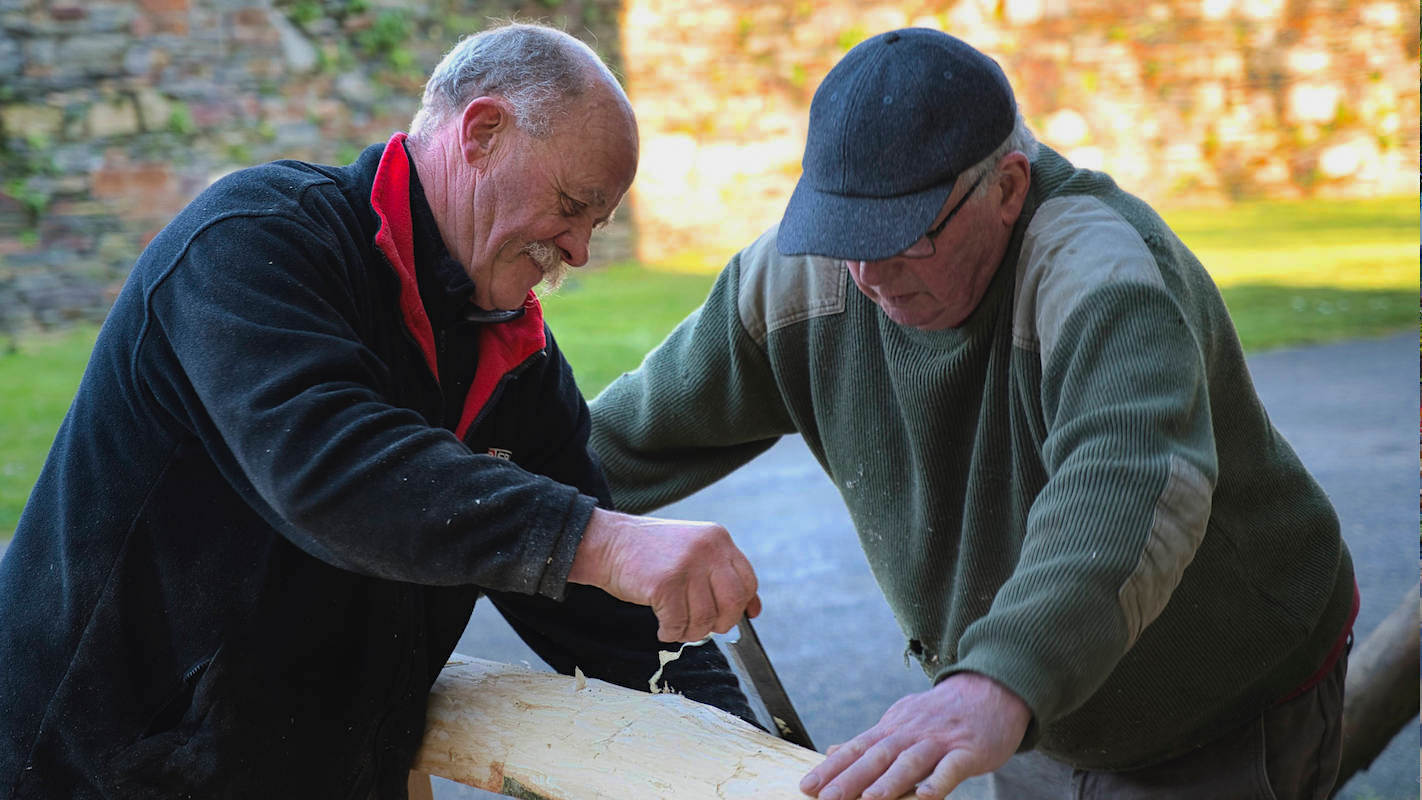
(1349, 409)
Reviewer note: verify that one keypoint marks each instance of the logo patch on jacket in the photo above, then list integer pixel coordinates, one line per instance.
(499, 452)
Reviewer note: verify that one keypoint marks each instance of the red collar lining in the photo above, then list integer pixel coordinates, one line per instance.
(390, 197)
(502, 346)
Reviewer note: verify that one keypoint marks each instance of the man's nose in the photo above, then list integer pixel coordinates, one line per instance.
(574, 244)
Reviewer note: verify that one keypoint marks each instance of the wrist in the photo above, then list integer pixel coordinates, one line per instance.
(591, 564)
(991, 692)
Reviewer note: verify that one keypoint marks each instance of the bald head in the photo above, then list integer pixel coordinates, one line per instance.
(541, 72)
(524, 144)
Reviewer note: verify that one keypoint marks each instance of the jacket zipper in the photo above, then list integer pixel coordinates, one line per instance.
(197, 669)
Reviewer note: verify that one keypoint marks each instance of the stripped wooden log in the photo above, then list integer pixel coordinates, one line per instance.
(543, 736)
(1382, 691)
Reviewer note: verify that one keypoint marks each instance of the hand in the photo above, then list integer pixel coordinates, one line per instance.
(967, 725)
(692, 575)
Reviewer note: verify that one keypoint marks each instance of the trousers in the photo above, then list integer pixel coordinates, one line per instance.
(1290, 752)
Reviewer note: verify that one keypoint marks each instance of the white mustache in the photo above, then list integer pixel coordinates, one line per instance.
(549, 261)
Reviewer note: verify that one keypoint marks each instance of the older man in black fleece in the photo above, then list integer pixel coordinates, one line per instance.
(324, 417)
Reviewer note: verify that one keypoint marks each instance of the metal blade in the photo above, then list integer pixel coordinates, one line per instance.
(754, 666)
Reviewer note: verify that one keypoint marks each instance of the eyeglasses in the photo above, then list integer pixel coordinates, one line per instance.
(924, 247)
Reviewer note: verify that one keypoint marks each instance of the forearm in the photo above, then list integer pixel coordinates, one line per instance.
(703, 403)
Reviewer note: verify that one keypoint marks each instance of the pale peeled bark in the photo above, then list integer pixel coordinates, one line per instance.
(533, 734)
(1382, 689)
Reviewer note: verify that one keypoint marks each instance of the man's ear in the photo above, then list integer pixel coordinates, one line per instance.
(480, 127)
(1015, 177)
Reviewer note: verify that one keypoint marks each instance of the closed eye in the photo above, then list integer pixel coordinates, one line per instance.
(571, 207)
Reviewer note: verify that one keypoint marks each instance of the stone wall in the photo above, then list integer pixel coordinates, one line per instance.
(115, 113)
(1182, 101)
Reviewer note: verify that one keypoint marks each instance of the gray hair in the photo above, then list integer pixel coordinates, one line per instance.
(532, 67)
(1020, 140)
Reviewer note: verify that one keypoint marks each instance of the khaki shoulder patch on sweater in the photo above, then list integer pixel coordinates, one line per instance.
(1181, 513)
(776, 291)
(1073, 244)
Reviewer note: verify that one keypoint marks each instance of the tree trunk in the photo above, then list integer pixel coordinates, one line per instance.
(1382, 691)
(542, 736)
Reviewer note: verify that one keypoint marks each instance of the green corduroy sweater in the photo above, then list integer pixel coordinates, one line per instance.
(1076, 493)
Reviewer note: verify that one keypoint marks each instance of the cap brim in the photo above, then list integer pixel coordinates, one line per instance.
(856, 228)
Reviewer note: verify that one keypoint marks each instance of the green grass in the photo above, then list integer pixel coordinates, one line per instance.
(1296, 273)
(1269, 316)
(606, 321)
(1291, 273)
(1357, 244)
(39, 380)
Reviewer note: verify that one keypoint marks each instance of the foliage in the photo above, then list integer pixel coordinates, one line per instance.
(180, 120)
(386, 38)
(25, 192)
(849, 37)
(28, 166)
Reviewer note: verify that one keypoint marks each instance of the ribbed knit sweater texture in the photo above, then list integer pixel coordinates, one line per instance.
(1077, 492)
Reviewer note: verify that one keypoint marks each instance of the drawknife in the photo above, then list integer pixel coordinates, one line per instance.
(754, 667)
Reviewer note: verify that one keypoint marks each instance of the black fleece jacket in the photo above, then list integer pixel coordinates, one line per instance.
(263, 524)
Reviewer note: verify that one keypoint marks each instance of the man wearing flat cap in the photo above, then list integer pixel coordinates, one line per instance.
(1037, 411)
